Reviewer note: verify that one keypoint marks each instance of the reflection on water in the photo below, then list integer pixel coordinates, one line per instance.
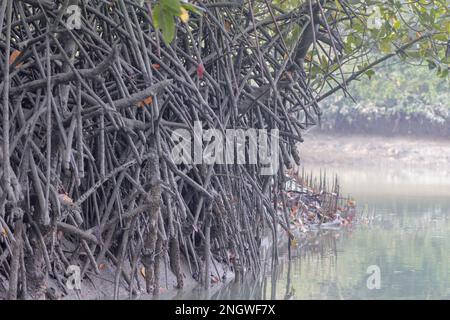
(404, 229)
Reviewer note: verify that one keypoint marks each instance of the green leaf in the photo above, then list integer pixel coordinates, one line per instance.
(156, 16)
(370, 73)
(190, 7)
(172, 6)
(167, 27)
(164, 14)
(338, 5)
(431, 65)
(444, 73)
(292, 36)
(386, 46)
(447, 27)
(440, 37)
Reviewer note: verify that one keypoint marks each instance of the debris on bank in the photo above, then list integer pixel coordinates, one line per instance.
(313, 204)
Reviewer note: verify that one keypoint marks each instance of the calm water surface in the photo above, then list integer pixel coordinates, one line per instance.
(404, 229)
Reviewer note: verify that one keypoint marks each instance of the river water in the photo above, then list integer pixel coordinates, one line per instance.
(403, 235)
(402, 191)
(404, 230)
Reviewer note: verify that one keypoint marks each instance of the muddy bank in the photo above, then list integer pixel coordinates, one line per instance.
(101, 286)
(415, 125)
(373, 150)
(380, 166)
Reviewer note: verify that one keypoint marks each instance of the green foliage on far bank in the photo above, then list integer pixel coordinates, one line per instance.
(399, 98)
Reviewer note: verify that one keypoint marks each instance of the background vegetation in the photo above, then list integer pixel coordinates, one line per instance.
(398, 98)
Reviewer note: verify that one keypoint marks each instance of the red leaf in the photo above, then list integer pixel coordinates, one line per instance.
(200, 71)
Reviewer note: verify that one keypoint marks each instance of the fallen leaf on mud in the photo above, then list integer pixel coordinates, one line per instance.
(65, 199)
(3, 232)
(143, 272)
(351, 203)
(231, 255)
(294, 209)
(294, 242)
(14, 56)
(156, 66)
(147, 101)
(227, 25)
